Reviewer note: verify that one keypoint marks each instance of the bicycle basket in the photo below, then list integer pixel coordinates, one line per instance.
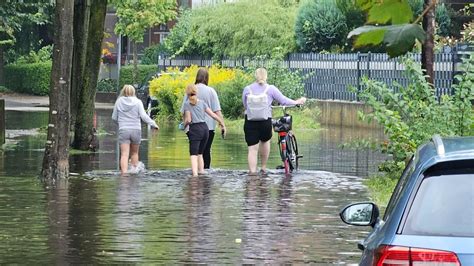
(282, 124)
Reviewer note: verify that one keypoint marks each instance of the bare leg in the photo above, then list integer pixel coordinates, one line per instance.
(252, 158)
(200, 164)
(264, 153)
(124, 153)
(134, 154)
(194, 165)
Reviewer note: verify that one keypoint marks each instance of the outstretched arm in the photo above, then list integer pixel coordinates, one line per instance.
(144, 116)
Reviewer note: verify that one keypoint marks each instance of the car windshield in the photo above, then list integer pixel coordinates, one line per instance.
(443, 206)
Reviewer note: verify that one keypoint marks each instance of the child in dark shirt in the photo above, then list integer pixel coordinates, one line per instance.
(195, 112)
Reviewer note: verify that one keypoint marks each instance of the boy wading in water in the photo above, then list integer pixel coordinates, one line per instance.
(194, 116)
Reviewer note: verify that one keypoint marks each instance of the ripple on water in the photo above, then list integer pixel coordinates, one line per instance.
(171, 217)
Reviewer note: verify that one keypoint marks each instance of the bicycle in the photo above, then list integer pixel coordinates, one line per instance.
(287, 143)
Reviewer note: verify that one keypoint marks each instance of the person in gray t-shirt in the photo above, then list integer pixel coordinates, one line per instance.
(209, 96)
(195, 117)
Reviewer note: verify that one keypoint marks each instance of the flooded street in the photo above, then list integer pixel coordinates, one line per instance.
(167, 216)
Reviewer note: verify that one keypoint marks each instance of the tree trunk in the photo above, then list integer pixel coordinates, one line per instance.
(427, 50)
(81, 27)
(135, 63)
(84, 130)
(2, 67)
(56, 155)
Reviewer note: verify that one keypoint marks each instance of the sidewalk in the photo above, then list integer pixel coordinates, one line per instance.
(25, 102)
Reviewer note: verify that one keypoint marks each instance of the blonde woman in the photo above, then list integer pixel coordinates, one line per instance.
(128, 113)
(258, 118)
(195, 111)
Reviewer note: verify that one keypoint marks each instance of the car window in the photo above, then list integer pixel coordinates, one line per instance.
(443, 206)
(397, 192)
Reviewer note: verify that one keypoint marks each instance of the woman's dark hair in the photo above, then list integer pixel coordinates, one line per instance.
(202, 76)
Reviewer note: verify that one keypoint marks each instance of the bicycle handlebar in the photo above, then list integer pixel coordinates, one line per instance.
(286, 106)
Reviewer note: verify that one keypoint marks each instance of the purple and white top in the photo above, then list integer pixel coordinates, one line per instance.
(273, 94)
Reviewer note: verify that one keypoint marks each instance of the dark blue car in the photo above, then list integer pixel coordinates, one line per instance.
(429, 219)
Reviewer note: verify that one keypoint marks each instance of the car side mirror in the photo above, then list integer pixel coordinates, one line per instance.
(360, 214)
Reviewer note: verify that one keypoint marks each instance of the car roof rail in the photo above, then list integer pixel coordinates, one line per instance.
(438, 142)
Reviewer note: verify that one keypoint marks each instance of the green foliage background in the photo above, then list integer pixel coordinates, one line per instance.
(126, 73)
(237, 29)
(320, 25)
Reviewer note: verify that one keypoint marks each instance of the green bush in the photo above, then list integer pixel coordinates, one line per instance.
(413, 115)
(42, 55)
(239, 29)
(320, 25)
(230, 95)
(151, 54)
(28, 78)
(107, 85)
(3, 89)
(126, 74)
(355, 17)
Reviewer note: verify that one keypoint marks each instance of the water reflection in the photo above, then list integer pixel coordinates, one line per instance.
(169, 149)
(166, 216)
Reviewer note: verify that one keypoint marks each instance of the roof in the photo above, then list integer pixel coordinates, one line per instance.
(443, 149)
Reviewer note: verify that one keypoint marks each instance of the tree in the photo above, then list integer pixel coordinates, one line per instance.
(242, 28)
(89, 18)
(15, 14)
(135, 16)
(56, 155)
(320, 26)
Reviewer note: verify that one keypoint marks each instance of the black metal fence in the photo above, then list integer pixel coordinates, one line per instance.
(331, 75)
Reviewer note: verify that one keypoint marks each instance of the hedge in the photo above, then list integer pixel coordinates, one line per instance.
(35, 78)
(28, 78)
(126, 74)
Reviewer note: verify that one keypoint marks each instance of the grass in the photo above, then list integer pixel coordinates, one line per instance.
(380, 189)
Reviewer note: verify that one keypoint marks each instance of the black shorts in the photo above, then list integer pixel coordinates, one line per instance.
(256, 131)
(198, 134)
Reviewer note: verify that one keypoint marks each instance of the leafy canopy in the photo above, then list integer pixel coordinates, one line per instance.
(135, 16)
(14, 14)
(236, 29)
(388, 23)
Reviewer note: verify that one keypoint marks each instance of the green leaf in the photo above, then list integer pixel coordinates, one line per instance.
(367, 36)
(394, 11)
(398, 39)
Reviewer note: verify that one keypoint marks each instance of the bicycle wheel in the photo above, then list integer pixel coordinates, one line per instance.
(283, 147)
(292, 152)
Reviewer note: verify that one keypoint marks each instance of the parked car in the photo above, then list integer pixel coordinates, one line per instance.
(430, 216)
(150, 103)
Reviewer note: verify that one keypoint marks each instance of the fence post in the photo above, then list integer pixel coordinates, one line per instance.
(358, 76)
(2, 121)
(368, 64)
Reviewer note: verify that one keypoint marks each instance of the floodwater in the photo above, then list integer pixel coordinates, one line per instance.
(167, 216)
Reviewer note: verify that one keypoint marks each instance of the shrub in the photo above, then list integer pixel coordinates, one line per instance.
(413, 115)
(169, 89)
(107, 85)
(230, 95)
(28, 78)
(239, 29)
(42, 55)
(126, 74)
(151, 54)
(320, 25)
(355, 17)
(3, 89)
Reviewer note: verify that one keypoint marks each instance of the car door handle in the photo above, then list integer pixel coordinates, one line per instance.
(361, 246)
